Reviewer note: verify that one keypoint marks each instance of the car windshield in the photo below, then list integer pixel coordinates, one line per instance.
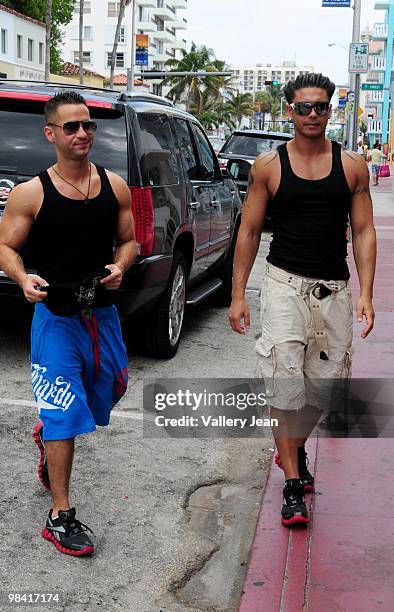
(250, 146)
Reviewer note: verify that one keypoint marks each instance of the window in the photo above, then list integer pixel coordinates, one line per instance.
(207, 162)
(30, 49)
(41, 53)
(121, 38)
(86, 58)
(113, 9)
(158, 157)
(86, 7)
(119, 61)
(88, 33)
(3, 41)
(141, 13)
(19, 46)
(23, 126)
(186, 150)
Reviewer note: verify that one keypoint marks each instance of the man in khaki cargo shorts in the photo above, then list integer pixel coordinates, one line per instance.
(314, 188)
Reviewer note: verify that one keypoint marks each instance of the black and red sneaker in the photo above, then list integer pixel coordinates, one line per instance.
(68, 534)
(42, 463)
(294, 510)
(307, 480)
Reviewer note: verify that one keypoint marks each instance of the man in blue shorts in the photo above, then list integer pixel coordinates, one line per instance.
(73, 214)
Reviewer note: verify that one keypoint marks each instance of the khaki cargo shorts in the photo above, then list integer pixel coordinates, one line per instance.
(303, 354)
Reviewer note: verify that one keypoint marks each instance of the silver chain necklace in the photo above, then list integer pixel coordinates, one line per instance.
(86, 196)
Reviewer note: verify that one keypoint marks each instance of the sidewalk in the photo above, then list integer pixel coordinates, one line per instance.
(344, 560)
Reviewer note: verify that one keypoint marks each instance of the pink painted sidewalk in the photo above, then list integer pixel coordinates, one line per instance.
(344, 560)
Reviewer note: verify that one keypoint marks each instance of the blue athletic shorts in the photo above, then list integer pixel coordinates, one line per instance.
(79, 370)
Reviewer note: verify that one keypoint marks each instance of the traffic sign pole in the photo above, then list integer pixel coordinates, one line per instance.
(354, 82)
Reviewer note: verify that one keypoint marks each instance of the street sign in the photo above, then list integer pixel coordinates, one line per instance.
(358, 57)
(360, 111)
(350, 96)
(372, 86)
(336, 3)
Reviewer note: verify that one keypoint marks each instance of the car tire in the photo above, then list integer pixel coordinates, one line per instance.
(226, 274)
(159, 334)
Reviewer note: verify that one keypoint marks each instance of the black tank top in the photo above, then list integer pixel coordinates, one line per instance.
(309, 221)
(71, 239)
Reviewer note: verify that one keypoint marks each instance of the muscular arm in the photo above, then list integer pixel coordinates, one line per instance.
(14, 229)
(126, 247)
(364, 244)
(248, 241)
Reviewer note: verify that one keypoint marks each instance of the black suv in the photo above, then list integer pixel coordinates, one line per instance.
(187, 212)
(241, 149)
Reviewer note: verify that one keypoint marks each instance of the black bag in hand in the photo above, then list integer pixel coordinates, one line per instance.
(68, 299)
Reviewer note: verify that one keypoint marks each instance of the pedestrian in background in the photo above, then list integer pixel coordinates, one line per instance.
(314, 186)
(376, 159)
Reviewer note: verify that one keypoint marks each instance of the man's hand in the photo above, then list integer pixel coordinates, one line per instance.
(113, 281)
(238, 312)
(365, 309)
(30, 288)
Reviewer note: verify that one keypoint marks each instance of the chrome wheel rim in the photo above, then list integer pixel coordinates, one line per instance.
(177, 305)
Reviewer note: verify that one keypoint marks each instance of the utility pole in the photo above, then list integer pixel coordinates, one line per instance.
(131, 71)
(354, 80)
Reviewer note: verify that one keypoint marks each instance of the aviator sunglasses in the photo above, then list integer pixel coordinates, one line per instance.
(72, 127)
(305, 108)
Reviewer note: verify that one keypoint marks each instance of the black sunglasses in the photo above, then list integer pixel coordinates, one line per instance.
(72, 127)
(305, 108)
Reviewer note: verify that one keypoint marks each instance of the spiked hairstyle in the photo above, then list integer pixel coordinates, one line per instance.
(311, 79)
(62, 97)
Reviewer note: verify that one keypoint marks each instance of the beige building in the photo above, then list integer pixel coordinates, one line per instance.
(250, 78)
(22, 46)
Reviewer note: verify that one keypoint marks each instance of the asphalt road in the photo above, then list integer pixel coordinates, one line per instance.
(173, 518)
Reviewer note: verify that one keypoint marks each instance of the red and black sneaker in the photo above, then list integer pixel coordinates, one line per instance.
(307, 480)
(42, 463)
(294, 510)
(68, 534)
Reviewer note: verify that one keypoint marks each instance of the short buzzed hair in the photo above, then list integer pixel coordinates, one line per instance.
(310, 79)
(62, 97)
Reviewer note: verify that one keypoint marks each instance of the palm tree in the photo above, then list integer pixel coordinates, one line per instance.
(81, 9)
(123, 4)
(215, 112)
(190, 88)
(263, 103)
(48, 22)
(240, 105)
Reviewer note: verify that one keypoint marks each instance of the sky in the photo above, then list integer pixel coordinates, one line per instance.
(270, 31)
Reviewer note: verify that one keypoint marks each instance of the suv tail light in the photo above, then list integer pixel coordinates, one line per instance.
(144, 218)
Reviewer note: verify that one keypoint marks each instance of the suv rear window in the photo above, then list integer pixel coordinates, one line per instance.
(26, 151)
(158, 161)
(250, 146)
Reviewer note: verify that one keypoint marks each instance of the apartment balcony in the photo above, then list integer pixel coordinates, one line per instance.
(147, 3)
(164, 13)
(146, 26)
(375, 126)
(382, 5)
(380, 31)
(376, 96)
(164, 36)
(160, 57)
(179, 45)
(378, 63)
(181, 4)
(179, 24)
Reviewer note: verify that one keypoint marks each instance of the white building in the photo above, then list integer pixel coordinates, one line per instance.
(22, 46)
(161, 20)
(249, 78)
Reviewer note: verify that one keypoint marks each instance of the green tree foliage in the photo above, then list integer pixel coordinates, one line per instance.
(62, 12)
(190, 89)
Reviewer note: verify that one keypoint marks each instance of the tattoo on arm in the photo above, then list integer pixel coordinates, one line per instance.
(360, 191)
(353, 156)
(274, 156)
